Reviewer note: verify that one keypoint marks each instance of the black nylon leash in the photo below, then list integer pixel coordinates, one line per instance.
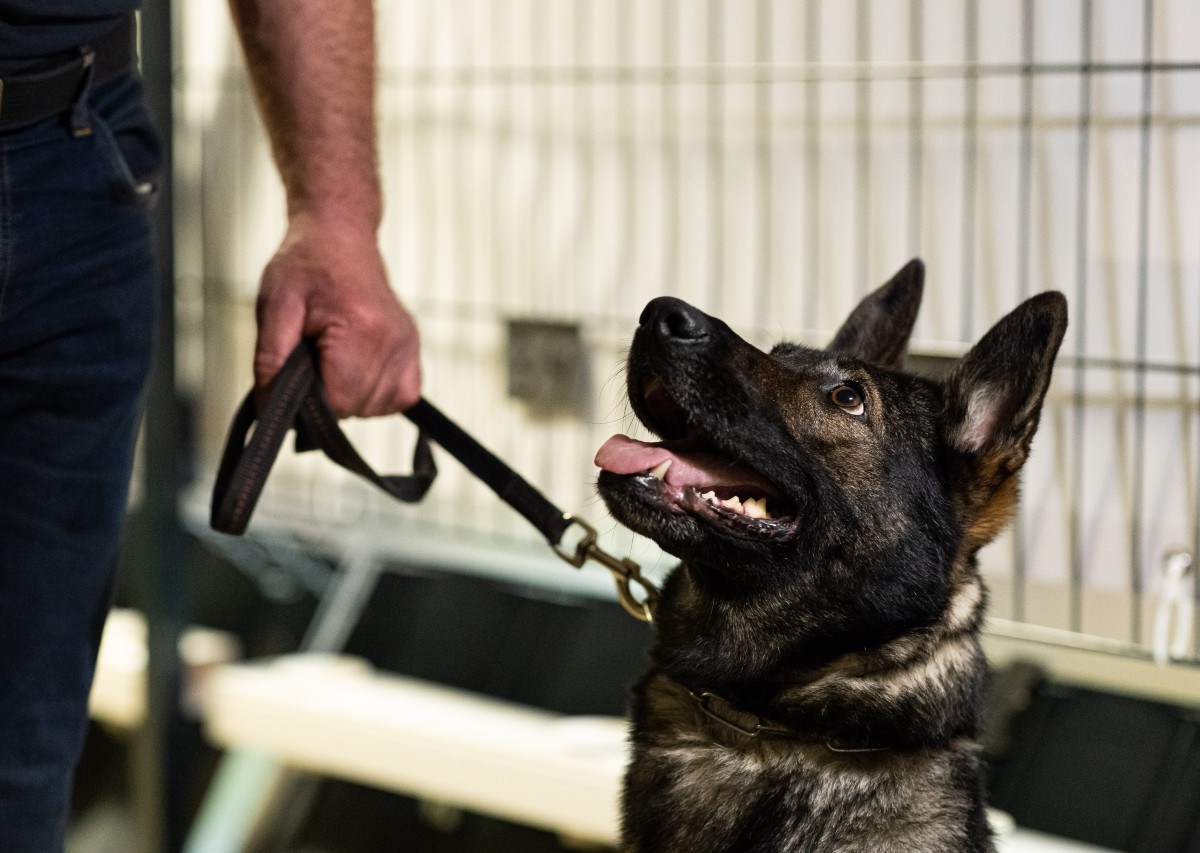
(296, 400)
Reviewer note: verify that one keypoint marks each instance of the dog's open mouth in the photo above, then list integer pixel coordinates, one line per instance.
(691, 475)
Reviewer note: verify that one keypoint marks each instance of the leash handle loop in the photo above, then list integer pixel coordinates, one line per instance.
(244, 465)
(297, 400)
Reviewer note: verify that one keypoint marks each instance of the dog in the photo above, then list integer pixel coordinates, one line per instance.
(816, 678)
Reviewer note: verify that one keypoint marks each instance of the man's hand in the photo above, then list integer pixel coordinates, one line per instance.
(328, 283)
(313, 67)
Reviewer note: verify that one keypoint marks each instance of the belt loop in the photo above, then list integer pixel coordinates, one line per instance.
(81, 120)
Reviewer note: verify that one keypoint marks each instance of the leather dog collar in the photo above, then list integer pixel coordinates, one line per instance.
(750, 725)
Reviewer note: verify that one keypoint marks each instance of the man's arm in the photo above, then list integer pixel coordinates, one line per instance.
(313, 67)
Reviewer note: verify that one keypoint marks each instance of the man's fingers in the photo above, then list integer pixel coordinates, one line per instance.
(372, 368)
(363, 394)
(368, 343)
(392, 397)
(345, 390)
(408, 390)
(280, 327)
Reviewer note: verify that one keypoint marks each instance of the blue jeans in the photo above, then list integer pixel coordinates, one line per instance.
(77, 293)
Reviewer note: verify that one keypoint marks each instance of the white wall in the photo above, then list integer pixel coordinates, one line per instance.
(571, 159)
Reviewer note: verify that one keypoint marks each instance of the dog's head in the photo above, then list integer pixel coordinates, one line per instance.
(826, 479)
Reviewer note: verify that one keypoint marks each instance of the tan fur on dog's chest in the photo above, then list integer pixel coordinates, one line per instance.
(836, 804)
(876, 802)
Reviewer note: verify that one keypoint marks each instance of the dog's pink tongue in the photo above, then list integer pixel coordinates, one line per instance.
(624, 455)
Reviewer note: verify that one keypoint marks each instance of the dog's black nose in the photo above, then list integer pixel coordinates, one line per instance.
(674, 318)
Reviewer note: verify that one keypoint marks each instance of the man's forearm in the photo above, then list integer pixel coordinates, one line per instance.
(313, 67)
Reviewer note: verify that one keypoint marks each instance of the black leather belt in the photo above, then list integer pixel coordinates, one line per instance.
(26, 99)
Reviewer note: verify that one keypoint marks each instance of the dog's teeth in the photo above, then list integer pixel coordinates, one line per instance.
(711, 497)
(660, 470)
(756, 507)
(734, 504)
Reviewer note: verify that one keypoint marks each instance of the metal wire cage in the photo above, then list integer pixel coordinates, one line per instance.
(770, 161)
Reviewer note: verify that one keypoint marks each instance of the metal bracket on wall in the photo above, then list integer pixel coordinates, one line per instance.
(546, 366)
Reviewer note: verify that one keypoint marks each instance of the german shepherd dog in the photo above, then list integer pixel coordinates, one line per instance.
(816, 678)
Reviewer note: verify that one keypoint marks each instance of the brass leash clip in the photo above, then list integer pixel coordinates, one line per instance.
(625, 572)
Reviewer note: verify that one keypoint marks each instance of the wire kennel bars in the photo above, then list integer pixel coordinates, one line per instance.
(770, 161)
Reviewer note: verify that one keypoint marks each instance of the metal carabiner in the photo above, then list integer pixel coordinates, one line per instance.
(642, 608)
(625, 572)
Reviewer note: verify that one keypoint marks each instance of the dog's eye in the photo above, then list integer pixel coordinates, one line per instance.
(848, 399)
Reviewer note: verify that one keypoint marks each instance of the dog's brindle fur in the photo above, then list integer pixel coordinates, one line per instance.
(854, 622)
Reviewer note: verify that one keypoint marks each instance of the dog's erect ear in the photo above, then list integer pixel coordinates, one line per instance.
(878, 329)
(995, 393)
(993, 401)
